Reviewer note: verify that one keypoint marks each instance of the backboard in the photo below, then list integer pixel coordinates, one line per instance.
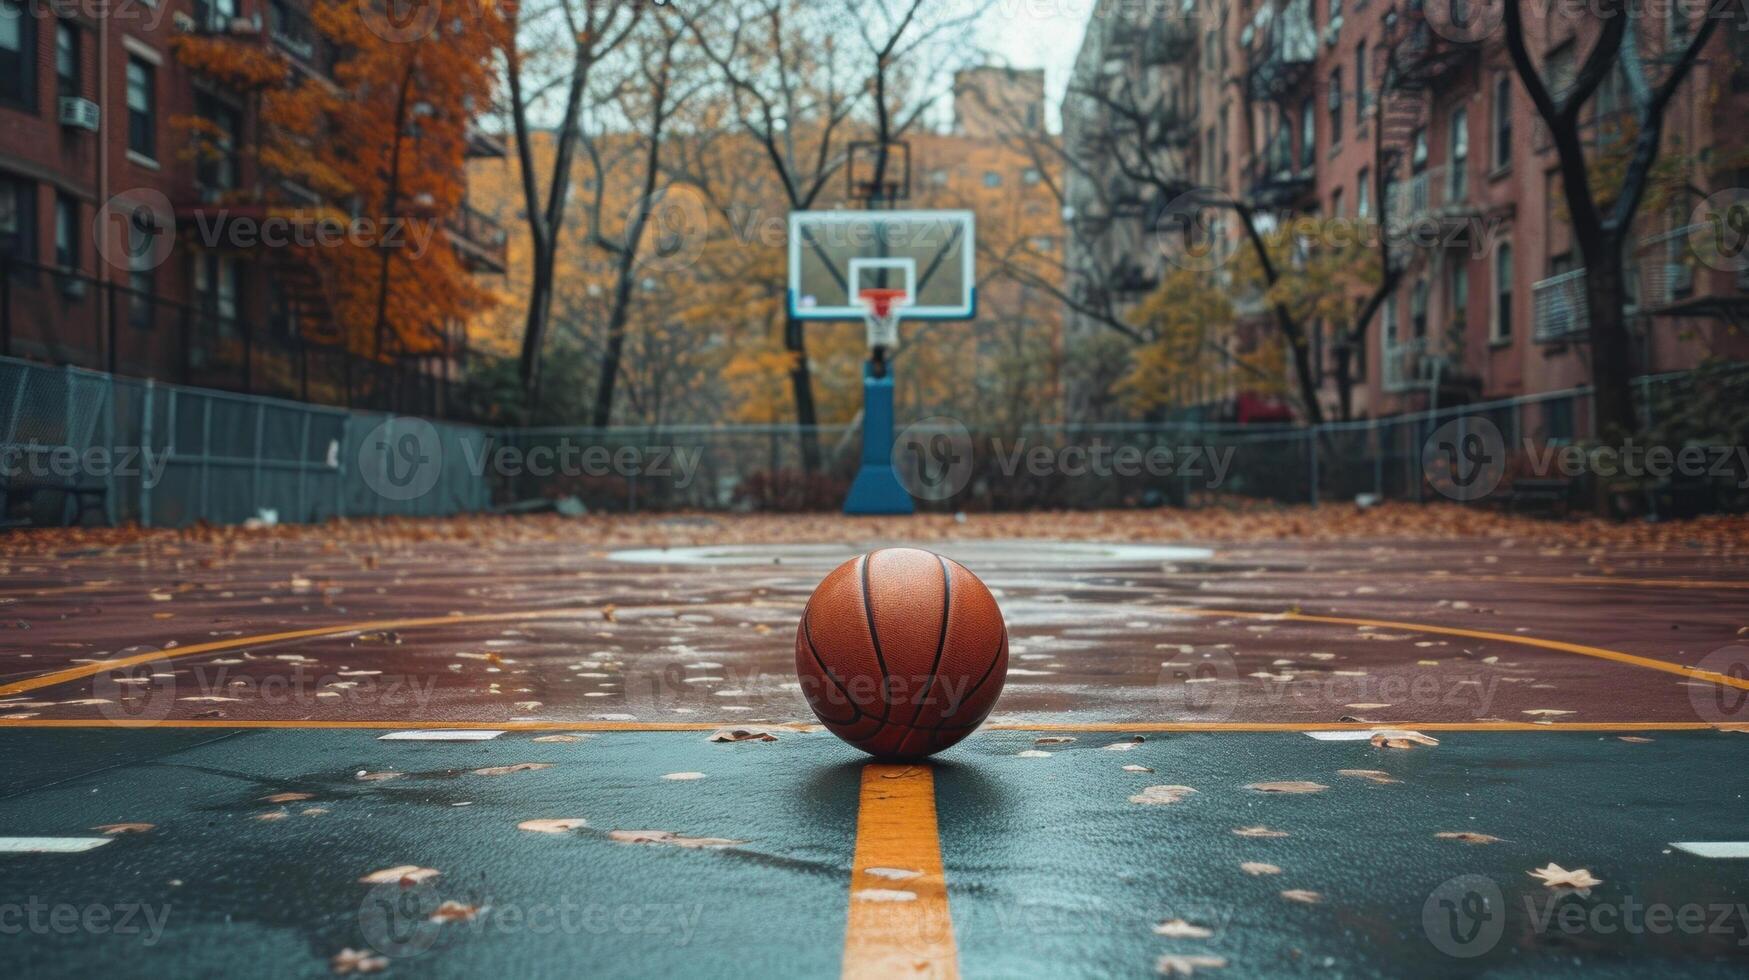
(834, 256)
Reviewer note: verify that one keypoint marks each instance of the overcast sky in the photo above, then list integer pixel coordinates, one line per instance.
(1038, 34)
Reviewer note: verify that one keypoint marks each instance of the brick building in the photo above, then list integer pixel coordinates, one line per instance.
(1383, 112)
(89, 145)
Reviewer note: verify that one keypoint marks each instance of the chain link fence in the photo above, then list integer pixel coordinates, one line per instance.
(79, 446)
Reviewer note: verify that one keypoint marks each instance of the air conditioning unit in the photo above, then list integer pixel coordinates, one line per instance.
(78, 113)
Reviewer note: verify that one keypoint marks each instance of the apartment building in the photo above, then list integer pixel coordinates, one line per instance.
(114, 154)
(1390, 116)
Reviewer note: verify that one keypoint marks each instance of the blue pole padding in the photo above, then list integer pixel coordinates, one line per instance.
(877, 489)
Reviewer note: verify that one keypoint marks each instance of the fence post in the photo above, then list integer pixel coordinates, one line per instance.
(340, 465)
(255, 472)
(1314, 464)
(206, 451)
(303, 466)
(6, 305)
(110, 342)
(145, 504)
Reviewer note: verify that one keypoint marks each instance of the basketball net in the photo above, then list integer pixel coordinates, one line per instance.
(884, 306)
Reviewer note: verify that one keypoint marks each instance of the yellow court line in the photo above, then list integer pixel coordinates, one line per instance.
(1016, 726)
(1561, 646)
(236, 642)
(88, 670)
(899, 921)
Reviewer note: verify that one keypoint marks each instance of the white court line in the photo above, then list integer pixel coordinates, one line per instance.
(50, 845)
(443, 735)
(1714, 848)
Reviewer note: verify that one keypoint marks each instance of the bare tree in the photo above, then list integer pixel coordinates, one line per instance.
(589, 31)
(1602, 226)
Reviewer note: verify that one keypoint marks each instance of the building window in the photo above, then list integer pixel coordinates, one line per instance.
(1032, 176)
(1388, 323)
(66, 232)
(142, 280)
(1360, 84)
(1335, 106)
(1308, 135)
(216, 167)
(1418, 309)
(1458, 177)
(17, 55)
(17, 219)
(1503, 293)
(992, 179)
(142, 109)
(215, 291)
(66, 59)
(1363, 194)
(1502, 122)
(1336, 203)
(1418, 151)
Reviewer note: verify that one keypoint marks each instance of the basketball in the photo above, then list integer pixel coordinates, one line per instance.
(901, 652)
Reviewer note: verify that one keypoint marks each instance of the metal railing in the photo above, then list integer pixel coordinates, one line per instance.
(1428, 194)
(1560, 309)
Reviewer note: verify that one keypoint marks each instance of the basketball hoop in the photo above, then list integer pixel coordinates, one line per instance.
(884, 307)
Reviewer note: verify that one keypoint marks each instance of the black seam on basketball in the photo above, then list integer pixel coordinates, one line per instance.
(875, 637)
(940, 642)
(808, 635)
(1000, 647)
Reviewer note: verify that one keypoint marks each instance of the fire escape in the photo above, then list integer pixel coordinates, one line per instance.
(1281, 48)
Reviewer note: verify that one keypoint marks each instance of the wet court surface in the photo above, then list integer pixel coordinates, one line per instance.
(1591, 705)
(1048, 862)
(1389, 632)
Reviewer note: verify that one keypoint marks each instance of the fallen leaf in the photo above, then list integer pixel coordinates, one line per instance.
(1376, 775)
(1032, 754)
(1468, 837)
(1547, 712)
(1120, 746)
(607, 612)
(124, 828)
(1401, 738)
(1174, 964)
(1633, 738)
(1291, 786)
(1133, 768)
(557, 825)
(357, 961)
(551, 739)
(1162, 794)
(287, 797)
(271, 816)
(684, 776)
(1366, 705)
(1555, 876)
(1302, 895)
(1259, 868)
(377, 777)
(453, 911)
(1054, 740)
(405, 874)
(517, 767)
(740, 735)
(1180, 929)
(670, 838)
(1259, 832)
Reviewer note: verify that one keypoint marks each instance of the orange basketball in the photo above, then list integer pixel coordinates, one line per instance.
(901, 652)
